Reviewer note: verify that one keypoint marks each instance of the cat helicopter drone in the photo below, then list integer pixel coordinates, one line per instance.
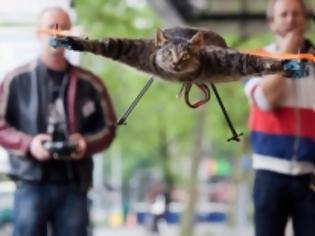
(190, 56)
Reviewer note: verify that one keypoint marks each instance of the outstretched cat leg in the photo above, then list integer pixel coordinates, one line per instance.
(136, 53)
(219, 64)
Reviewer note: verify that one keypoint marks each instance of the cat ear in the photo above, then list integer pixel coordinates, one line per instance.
(160, 38)
(197, 39)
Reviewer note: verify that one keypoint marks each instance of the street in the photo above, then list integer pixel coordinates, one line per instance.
(170, 230)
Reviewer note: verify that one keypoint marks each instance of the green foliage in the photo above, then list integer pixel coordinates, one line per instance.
(237, 108)
(116, 17)
(140, 140)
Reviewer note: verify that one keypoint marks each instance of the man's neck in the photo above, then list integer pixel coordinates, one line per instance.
(278, 41)
(54, 63)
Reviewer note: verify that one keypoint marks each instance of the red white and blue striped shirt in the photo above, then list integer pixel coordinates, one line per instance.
(283, 137)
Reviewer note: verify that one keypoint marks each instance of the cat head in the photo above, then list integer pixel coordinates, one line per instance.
(178, 55)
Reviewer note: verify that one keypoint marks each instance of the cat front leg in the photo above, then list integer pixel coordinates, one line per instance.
(295, 68)
(79, 44)
(72, 43)
(136, 53)
(290, 68)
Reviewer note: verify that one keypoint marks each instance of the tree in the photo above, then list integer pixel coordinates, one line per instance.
(188, 218)
(161, 127)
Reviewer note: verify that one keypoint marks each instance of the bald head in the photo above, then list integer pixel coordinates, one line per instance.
(48, 19)
(51, 16)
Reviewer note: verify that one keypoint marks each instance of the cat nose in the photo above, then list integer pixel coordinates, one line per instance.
(176, 67)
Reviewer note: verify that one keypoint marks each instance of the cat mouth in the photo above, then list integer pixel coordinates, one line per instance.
(176, 68)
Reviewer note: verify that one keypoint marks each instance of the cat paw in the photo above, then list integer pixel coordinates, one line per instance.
(59, 42)
(295, 69)
(65, 42)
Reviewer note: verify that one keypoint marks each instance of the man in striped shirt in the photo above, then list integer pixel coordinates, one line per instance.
(283, 131)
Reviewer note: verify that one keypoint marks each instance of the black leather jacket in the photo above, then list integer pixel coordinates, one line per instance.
(23, 113)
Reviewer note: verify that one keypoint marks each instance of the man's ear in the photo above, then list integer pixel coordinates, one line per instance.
(198, 39)
(160, 38)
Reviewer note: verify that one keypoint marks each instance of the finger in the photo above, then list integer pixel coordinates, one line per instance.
(44, 136)
(42, 156)
(77, 155)
(44, 153)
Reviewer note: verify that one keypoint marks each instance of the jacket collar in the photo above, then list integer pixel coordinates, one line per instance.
(307, 47)
(46, 69)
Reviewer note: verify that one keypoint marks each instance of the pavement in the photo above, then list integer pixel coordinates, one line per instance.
(173, 230)
(166, 230)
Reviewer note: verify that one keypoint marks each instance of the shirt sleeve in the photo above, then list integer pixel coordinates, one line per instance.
(11, 139)
(104, 135)
(256, 95)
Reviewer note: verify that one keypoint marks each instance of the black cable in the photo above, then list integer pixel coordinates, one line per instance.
(123, 118)
(235, 135)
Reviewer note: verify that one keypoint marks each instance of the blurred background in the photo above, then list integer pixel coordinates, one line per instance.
(166, 148)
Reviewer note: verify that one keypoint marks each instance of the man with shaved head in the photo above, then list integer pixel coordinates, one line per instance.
(41, 101)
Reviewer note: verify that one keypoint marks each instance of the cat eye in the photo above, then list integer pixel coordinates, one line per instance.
(185, 57)
(167, 53)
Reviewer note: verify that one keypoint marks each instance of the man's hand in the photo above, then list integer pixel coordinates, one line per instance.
(80, 143)
(37, 149)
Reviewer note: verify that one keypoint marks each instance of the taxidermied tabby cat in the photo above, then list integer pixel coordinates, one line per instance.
(180, 54)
